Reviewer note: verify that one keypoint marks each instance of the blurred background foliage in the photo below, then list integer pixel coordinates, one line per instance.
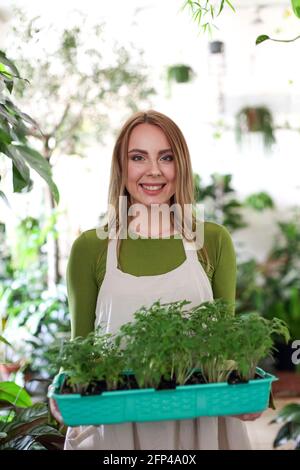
(54, 107)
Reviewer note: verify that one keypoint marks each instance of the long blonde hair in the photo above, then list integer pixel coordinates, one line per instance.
(184, 192)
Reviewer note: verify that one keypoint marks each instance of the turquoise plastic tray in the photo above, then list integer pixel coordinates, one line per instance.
(186, 401)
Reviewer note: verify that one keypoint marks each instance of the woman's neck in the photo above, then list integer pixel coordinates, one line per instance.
(152, 223)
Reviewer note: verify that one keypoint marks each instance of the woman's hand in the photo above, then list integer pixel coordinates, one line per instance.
(55, 411)
(248, 416)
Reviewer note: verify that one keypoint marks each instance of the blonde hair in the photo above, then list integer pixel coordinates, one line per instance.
(184, 192)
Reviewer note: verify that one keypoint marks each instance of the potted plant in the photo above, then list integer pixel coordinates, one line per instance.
(255, 119)
(216, 47)
(140, 365)
(180, 73)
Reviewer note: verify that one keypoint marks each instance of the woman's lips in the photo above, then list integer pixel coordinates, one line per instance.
(152, 189)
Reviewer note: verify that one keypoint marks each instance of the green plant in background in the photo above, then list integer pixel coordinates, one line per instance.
(15, 126)
(30, 429)
(205, 11)
(289, 417)
(180, 73)
(264, 37)
(32, 316)
(272, 287)
(23, 425)
(282, 277)
(255, 119)
(259, 201)
(220, 205)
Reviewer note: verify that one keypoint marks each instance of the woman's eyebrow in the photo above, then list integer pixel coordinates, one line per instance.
(146, 153)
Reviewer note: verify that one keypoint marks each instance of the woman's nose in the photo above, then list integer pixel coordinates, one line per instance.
(154, 168)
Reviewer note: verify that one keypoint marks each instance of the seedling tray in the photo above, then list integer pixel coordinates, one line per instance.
(183, 402)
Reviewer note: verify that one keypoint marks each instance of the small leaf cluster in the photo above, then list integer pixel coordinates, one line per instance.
(85, 360)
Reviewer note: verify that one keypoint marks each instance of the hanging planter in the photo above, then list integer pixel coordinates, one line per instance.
(216, 47)
(255, 119)
(180, 73)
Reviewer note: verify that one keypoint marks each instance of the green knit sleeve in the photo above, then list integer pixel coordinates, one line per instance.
(222, 256)
(82, 284)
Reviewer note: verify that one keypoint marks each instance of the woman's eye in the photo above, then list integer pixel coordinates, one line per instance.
(168, 157)
(136, 157)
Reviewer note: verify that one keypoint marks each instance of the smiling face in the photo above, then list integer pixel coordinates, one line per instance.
(151, 175)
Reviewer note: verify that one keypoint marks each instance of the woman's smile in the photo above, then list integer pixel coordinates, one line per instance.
(152, 189)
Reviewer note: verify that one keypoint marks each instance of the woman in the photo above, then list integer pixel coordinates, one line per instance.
(109, 279)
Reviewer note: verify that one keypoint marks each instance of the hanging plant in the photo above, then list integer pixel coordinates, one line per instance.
(180, 73)
(252, 119)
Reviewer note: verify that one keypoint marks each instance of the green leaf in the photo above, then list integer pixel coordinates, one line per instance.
(261, 38)
(18, 162)
(289, 412)
(9, 63)
(221, 7)
(40, 165)
(230, 5)
(296, 7)
(4, 137)
(3, 340)
(12, 393)
(283, 435)
(19, 183)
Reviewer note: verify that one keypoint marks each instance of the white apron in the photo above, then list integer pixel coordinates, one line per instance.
(120, 295)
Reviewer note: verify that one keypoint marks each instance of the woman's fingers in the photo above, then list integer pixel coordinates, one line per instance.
(55, 411)
(248, 416)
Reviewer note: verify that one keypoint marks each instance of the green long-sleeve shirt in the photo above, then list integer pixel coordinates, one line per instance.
(142, 257)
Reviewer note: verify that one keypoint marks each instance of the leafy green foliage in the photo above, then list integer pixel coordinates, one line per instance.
(213, 337)
(259, 201)
(14, 394)
(31, 315)
(204, 12)
(168, 341)
(289, 416)
(220, 204)
(180, 73)
(272, 287)
(30, 429)
(15, 126)
(85, 360)
(157, 344)
(254, 340)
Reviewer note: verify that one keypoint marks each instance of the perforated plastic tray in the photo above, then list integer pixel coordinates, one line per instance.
(184, 402)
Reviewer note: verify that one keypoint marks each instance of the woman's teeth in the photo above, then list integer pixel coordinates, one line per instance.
(152, 187)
